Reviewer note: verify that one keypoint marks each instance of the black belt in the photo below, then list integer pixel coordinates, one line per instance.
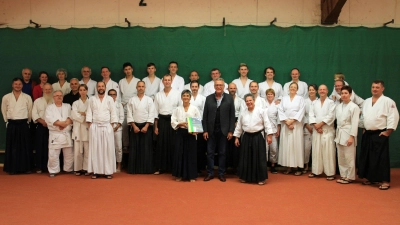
(374, 131)
(164, 116)
(18, 121)
(254, 133)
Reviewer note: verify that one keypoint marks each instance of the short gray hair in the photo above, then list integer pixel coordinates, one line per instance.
(61, 70)
(58, 91)
(248, 95)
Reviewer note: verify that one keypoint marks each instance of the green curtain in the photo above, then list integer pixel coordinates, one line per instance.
(362, 54)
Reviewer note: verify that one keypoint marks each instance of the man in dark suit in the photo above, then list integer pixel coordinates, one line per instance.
(218, 126)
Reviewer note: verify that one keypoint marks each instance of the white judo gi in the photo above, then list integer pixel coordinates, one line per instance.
(272, 149)
(101, 138)
(347, 117)
(59, 139)
(324, 152)
(307, 134)
(80, 135)
(291, 148)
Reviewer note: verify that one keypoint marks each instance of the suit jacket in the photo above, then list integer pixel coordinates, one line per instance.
(227, 114)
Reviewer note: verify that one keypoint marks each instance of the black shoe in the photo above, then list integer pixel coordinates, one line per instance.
(222, 178)
(273, 170)
(208, 178)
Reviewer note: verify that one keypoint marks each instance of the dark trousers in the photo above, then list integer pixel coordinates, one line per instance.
(214, 140)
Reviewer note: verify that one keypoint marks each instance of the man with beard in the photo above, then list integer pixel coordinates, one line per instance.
(42, 131)
(73, 95)
(16, 108)
(232, 152)
(58, 119)
(199, 100)
(100, 113)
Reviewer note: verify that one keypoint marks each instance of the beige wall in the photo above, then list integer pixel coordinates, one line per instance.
(191, 13)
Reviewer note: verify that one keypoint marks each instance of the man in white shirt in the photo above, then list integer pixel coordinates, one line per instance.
(165, 103)
(42, 131)
(199, 100)
(353, 97)
(243, 82)
(232, 152)
(91, 84)
(58, 119)
(16, 108)
(100, 114)
(178, 82)
(119, 109)
(303, 88)
(127, 87)
(140, 115)
(322, 116)
(110, 84)
(258, 101)
(194, 75)
(152, 82)
(209, 87)
(379, 119)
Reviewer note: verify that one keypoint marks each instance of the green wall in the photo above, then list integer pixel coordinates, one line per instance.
(362, 54)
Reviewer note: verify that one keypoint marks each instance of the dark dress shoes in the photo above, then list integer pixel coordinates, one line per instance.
(208, 178)
(222, 178)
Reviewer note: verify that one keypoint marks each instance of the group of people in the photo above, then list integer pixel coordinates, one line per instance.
(246, 123)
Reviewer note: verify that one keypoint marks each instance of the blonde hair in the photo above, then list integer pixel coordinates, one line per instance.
(338, 76)
(270, 90)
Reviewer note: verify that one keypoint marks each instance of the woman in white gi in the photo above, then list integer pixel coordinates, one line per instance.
(80, 132)
(308, 129)
(291, 148)
(276, 128)
(252, 123)
(269, 73)
(347, 117)
(117, 128)
(62, 84)
(185, 158)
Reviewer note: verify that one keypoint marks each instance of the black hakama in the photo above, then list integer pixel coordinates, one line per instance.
(232, 154)
(165, 144)
(18, 153)
(253, 159)
(201, 152)
(42, 147)
(141, 151)
(185, 156)
(374, 161)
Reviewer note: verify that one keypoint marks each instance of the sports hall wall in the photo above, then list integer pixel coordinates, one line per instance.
(362, 54)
